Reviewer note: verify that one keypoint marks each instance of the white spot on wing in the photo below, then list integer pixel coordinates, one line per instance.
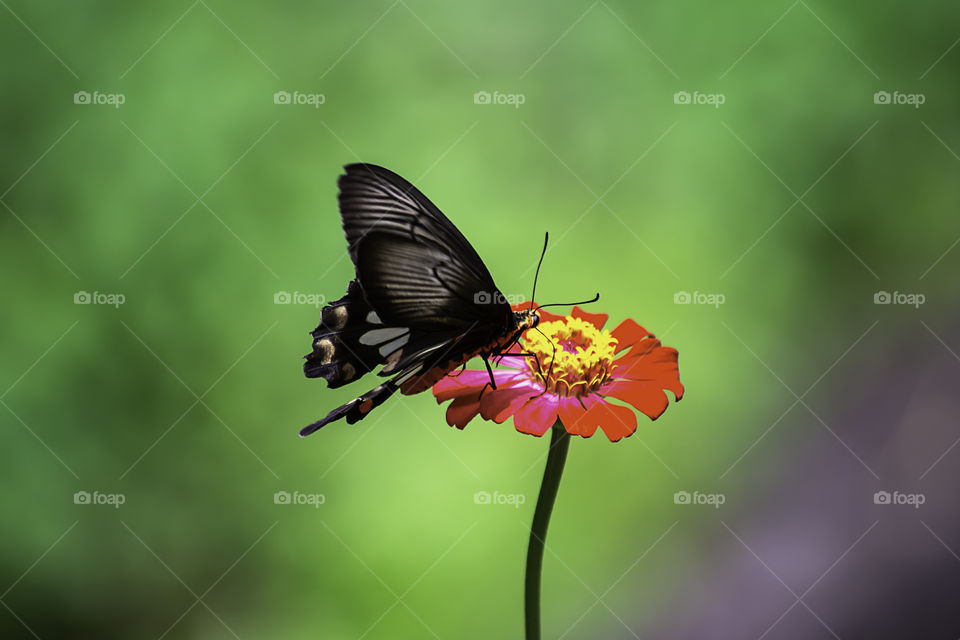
(373, 318)
(392, 346)
(379, 336)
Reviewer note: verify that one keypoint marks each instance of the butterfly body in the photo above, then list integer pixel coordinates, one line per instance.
(523, 320)
(422, 304)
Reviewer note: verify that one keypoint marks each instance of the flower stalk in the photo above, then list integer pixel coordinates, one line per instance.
(556, 458)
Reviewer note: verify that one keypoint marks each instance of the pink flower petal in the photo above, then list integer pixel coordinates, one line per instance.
(514, 362)
(505, 401)
(537, 415)
(463, 384)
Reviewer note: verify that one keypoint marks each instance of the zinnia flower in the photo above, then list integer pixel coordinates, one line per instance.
(591, 366)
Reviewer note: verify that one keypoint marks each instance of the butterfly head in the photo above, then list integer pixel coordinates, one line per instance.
(526, 319)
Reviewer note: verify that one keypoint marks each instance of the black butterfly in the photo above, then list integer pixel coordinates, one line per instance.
(422, 304)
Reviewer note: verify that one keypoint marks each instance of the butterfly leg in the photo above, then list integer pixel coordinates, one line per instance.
(485, 387)
(492, 383)
(489, 385)
(523, 355)
(463, 368)
(539, 367)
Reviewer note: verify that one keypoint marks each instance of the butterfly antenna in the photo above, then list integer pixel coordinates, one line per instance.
(567, 304)
(546, 237)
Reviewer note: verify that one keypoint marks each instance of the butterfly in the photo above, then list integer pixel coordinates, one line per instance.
(422, 303)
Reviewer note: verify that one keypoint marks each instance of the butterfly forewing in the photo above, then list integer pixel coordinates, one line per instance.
(420, 285)
(374, 198)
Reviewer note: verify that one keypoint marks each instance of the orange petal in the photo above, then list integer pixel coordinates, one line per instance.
(596, 319)
(616, 421)
(461, 411)
(658, 367)
(641, 348)
(645, 396)
(629, 333)
(573, 416)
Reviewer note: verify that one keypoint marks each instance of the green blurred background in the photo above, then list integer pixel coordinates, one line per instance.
(200, 198)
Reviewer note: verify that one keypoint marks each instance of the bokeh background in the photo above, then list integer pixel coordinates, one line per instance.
(200, 198)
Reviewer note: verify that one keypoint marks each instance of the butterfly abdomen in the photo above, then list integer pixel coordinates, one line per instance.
(439, 371)
(342, 352)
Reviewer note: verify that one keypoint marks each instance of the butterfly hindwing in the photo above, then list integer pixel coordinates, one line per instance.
(418, 366)
(351, 340)
(356, 409)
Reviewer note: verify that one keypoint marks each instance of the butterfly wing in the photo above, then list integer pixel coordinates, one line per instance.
(423, 301)
(415, 266)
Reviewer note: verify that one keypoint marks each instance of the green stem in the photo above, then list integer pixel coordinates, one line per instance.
(556, 457)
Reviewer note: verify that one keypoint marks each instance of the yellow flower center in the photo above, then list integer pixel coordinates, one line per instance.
(575, 357)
